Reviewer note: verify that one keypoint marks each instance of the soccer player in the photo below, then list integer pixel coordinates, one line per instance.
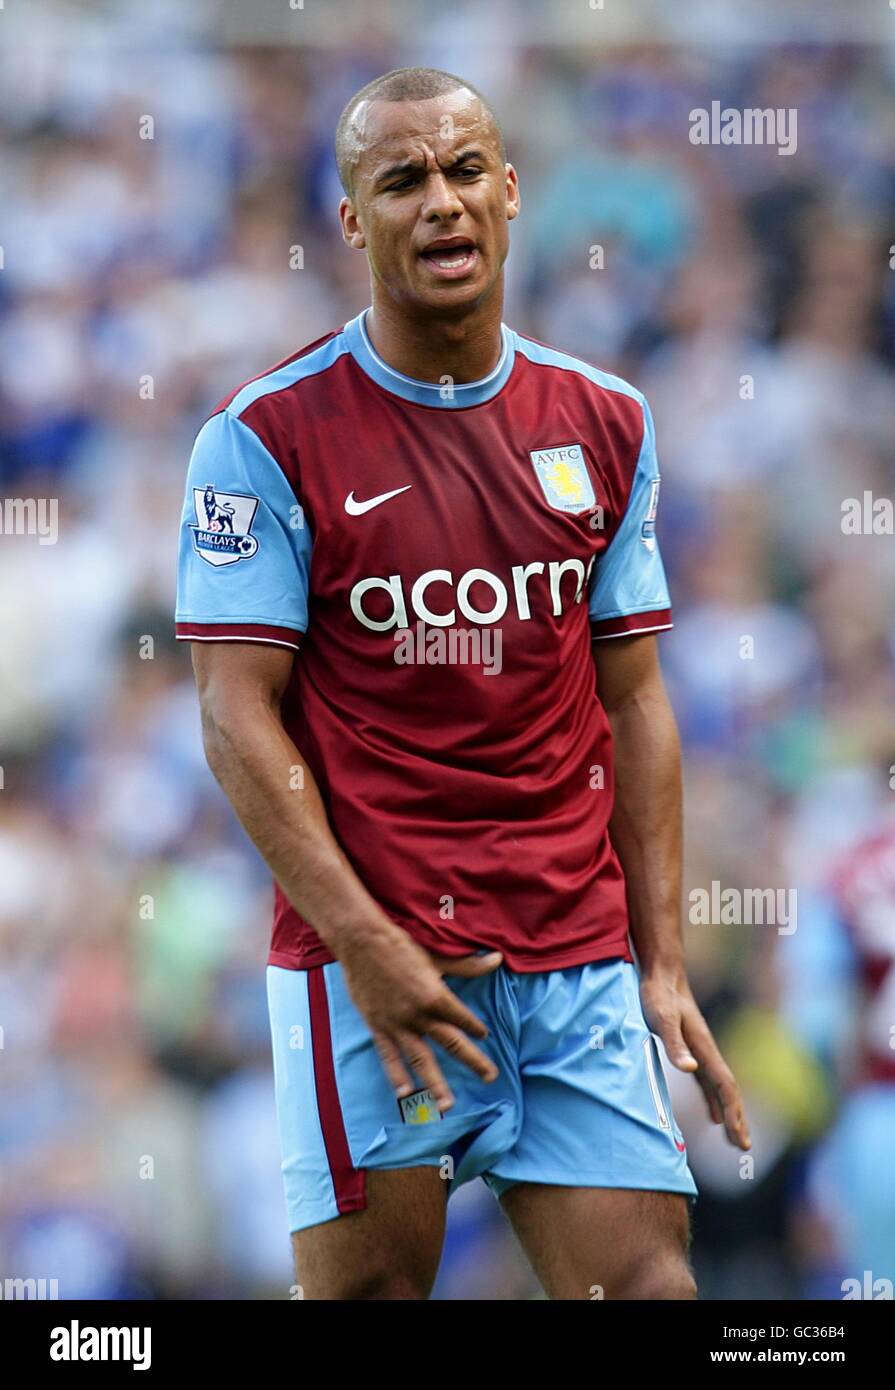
(465, 837)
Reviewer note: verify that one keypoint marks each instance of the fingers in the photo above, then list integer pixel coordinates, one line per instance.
(449, 1027)
(394, 1068)
(702, 1056)
(469, 967)
(459, 1046)
(679, 1054)
(727, 1098)
(719, 1086)
(422, 1059)
(419, 1056)
(447, 1008)
(713, 1104)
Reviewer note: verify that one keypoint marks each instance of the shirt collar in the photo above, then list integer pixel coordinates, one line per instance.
(446, 396)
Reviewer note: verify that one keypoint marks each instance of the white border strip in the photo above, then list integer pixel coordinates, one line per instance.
(225, 637)
(630, 632)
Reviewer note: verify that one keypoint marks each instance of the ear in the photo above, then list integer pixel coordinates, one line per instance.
(352, 232)
(514, 200)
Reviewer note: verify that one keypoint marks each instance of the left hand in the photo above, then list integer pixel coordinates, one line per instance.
(671, 1011)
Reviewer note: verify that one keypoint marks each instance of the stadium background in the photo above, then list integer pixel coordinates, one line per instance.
(142, 279)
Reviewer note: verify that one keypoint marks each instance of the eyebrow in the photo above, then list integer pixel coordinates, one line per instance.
(411, 166)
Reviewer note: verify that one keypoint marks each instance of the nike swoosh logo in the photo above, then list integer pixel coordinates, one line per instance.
(355, 508)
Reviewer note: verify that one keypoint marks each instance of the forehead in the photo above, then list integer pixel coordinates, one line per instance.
(386, 131)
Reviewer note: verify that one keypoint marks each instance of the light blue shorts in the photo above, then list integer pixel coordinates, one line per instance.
(581, 1099)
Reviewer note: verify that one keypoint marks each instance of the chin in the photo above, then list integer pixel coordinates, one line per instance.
(458, 298)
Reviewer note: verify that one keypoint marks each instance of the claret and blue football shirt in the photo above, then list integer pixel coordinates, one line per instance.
(439, 557)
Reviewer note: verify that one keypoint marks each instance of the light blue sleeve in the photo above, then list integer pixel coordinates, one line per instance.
(245, 547)
(630, 576)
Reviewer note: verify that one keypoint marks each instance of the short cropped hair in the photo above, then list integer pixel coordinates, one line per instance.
(402, 84)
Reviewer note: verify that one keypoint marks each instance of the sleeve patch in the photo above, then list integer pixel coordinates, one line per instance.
(222, 532)
(629, 577)
(245, 548)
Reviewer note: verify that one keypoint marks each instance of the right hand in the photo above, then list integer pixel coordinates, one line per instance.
(398, 988)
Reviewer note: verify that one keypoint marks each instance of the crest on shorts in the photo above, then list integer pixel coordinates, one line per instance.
(419, 1109)
(222, 533)
(564, 479)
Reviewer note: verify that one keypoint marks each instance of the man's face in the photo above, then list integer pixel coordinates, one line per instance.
(432, 199)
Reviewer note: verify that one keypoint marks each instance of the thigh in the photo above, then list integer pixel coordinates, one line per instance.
(389, 1250)
(595, 1243)
(597, 1183)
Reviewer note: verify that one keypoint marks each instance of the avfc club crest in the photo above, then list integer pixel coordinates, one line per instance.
(564, 478)
(420, 1108)
(223, 534)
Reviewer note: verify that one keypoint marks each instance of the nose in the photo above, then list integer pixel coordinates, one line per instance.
(440, 200)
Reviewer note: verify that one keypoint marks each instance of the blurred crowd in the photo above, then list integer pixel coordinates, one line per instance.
(153, 200)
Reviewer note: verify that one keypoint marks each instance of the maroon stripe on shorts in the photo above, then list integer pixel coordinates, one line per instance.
(348, 1181)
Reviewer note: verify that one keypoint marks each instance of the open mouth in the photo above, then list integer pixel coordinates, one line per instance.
(451, 259)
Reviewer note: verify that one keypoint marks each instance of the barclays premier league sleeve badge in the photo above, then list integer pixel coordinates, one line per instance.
(223, 533)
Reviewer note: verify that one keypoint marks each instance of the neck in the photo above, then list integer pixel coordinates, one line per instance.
(429, 348)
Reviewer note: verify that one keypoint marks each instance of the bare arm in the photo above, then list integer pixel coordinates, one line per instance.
(251, 755)
(646, 821)
(645, 829)
(394, 982)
